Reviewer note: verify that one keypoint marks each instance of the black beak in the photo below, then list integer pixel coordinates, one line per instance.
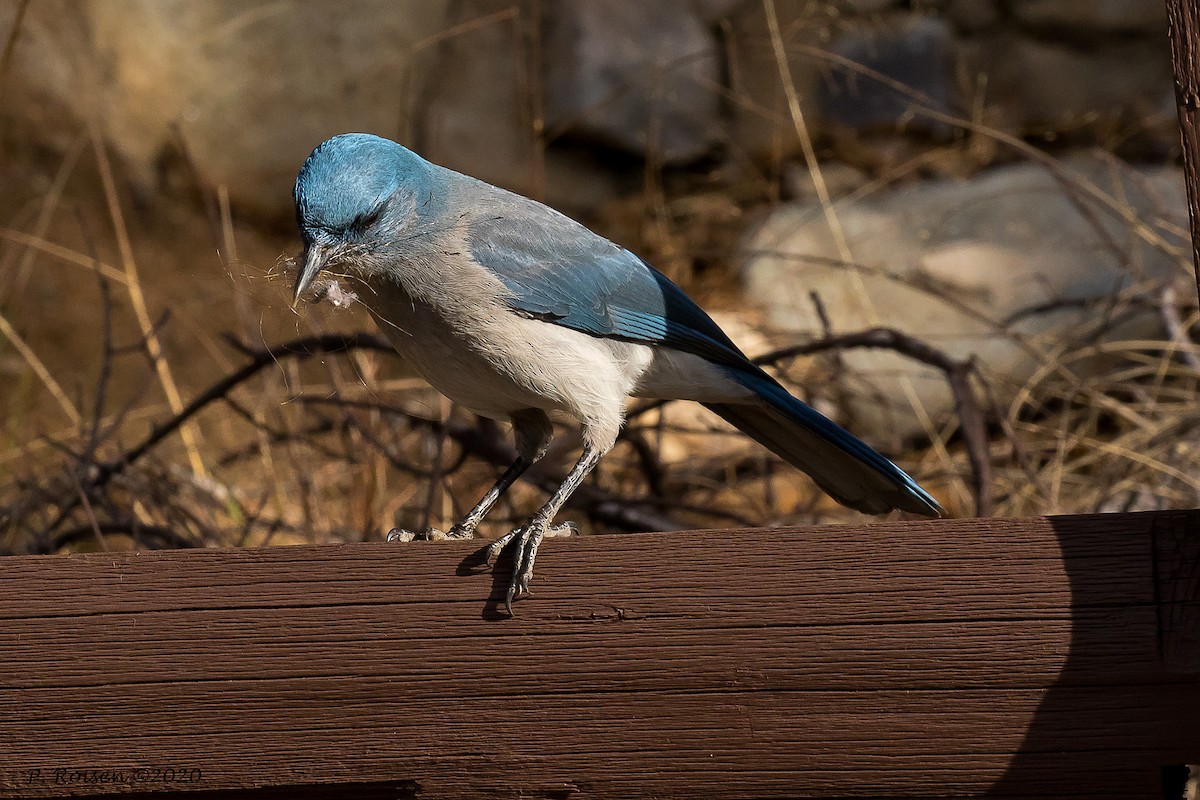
(315, 259)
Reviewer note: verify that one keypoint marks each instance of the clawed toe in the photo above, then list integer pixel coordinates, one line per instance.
(496, 547)
(402, 535)
(460, 532)
(428, 535)
(528, 538)
(508, 600)
(518, 589)
(563, 529)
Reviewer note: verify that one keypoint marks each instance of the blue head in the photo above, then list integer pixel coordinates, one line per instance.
(352, 195)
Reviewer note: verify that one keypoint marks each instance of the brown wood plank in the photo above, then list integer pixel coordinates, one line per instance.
(1177, 588)
(653, 655)
(1006, 566)
(790, 744)
(1008, 658)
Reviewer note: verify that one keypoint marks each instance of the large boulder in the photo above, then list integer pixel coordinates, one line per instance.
(242, 90)
(40, 91)
(1039, 84)
(761, 125)
(1118, 17)
(642, 77)
(473, 112)
(253, 87)
(248, 87)
(915, 51)
(1012, 267)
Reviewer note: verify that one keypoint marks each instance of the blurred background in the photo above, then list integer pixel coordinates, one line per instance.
(956, 226)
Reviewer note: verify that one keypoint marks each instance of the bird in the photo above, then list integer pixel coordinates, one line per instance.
(515, 312)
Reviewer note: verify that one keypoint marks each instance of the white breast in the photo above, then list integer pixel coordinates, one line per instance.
(487, 358)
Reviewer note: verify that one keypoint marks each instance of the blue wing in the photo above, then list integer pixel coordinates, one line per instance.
(561, 272)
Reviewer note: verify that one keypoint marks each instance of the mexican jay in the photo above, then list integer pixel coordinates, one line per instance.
(512, 310)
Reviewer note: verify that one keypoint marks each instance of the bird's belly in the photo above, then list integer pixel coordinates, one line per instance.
(453, 365)
(494, 362)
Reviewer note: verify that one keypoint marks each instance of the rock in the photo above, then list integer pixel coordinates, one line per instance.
(1042, 85)
(642, 77)
(475, 116)
(41, 88)
(1107, 16)
(996, 268)
(840, 179)
(863, 7)
(762, 126)
(252, 87)
(711, 12)
(915, 51)
(973, 16)
(249, 89)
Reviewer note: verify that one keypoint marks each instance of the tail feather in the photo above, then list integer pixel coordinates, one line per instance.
(844, 466)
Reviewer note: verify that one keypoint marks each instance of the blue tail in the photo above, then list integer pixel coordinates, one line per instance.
(841, 464)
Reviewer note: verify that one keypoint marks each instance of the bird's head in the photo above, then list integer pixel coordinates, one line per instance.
(353, 195)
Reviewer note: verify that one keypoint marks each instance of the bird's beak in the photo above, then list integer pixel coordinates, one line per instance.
(315, 259)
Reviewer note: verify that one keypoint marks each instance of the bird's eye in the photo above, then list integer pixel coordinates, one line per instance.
(367, 219)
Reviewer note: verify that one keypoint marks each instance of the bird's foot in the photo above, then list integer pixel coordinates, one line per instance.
(429, 534)
(527, 538)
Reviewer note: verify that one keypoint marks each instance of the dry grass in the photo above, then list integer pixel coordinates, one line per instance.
(334, 440)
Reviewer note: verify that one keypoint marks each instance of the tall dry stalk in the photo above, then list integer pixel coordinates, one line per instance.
(188, 432)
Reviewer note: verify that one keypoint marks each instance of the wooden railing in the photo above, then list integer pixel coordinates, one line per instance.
(1050, 657)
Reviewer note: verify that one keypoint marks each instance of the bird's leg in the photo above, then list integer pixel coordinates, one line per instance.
(530, 535)
(532, 430)
(465, 528)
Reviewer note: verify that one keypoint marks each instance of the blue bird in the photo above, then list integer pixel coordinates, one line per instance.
(512, 310)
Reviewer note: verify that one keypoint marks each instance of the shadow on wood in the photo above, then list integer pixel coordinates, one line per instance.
(1131, 675)
(1003, 658)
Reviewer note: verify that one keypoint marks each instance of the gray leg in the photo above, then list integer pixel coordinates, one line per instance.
(532, 430)
(530, 535)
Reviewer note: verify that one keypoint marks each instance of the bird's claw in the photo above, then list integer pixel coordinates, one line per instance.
(528, 538)
(429, 534)
(403, 535)
(563, 529)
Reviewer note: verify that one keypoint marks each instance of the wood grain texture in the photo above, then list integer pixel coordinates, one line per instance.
(1006, 658)
(1177, 558)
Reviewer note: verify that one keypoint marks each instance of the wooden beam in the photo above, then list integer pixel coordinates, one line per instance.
(1018, 658)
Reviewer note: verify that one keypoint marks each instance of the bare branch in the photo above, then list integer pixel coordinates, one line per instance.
(971, 419)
